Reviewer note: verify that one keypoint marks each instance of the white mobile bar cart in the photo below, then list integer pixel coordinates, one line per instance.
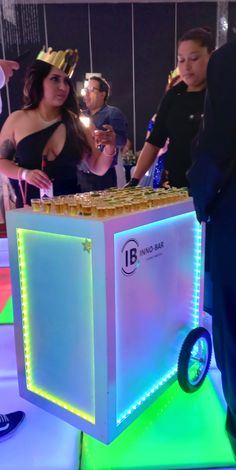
(102, 307)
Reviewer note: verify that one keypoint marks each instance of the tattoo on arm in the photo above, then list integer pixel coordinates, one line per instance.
(7, 150)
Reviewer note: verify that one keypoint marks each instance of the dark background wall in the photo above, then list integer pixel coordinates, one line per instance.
(132, 45)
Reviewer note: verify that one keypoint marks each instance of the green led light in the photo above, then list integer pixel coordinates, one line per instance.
(27, 337)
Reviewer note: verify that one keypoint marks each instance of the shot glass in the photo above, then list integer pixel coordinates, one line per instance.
(36, 205)
(46, 205)
(72, 207)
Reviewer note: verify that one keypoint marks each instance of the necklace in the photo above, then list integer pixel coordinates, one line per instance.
(48, 121)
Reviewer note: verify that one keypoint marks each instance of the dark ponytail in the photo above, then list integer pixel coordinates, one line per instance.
(201, 35)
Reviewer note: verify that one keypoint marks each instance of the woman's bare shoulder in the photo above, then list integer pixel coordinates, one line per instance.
(21, 119)
(23, 113)
(17, 116)
(17, 124)
(11, 121)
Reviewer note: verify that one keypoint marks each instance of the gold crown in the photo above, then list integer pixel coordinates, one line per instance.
(63, 60)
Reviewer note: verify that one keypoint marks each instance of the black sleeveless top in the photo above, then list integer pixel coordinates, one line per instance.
(62, 171)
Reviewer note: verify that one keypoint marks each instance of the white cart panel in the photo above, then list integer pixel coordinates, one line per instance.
(154, 292)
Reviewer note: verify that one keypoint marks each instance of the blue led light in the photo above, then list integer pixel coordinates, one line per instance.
(197, 273)
(147, 395)
(195, 298)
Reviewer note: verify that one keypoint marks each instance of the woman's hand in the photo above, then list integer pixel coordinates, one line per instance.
(38, 178)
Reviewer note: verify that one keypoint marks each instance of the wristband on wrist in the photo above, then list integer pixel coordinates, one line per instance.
(21, 175)
(24, 174)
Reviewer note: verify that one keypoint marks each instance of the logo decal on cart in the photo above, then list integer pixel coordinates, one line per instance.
(130, 259)
(133, 255)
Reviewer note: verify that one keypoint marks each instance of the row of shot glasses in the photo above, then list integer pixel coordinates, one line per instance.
(109, 203)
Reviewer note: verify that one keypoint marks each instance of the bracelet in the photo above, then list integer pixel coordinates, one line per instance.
(108, 154)
(24, 174)
(19, 174)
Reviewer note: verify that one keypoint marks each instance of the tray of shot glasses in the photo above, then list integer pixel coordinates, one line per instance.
(110, 202)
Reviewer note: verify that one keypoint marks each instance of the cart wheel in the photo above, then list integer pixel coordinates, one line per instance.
(194, 359)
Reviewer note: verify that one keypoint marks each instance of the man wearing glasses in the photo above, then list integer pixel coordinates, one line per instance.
(95, 96)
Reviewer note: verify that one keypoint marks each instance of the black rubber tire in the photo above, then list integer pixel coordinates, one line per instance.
(186, 357)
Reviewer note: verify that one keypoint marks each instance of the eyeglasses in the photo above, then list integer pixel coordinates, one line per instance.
(89, 90)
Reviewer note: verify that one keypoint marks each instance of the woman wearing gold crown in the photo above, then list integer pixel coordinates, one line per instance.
(42, 144)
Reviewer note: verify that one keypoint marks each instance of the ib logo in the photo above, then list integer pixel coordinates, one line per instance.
(130, 257)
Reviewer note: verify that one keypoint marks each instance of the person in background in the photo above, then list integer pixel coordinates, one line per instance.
(129, 158)
(10, 421)
(42, 144)
(95, 97)
(180, 111)
(212, 179)
(128, 147)
(157, 176)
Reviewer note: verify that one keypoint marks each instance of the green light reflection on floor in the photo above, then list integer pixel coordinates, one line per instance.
(6, 315)
(179, 430)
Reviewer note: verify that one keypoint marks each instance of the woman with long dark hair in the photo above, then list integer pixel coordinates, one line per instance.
(42, 144)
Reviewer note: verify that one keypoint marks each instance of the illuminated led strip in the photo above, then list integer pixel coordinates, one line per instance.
(61, 403)
(147, 395)
(195, 311)
(27, 337)
(197, 273)
(24, 309)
